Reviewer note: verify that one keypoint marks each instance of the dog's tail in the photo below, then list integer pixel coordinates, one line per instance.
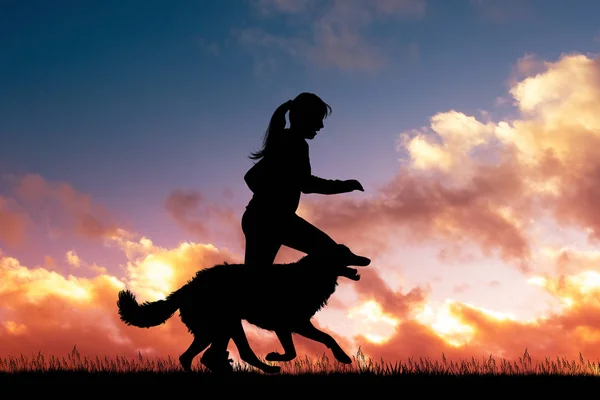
(147, 314)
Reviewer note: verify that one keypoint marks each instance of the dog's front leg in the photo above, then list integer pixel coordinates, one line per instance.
(308, 330)
(289, 350)
(238, 335)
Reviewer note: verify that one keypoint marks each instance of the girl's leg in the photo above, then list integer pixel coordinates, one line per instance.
(262, 239)
(262, 245)
(260, 250)
(303, 236)
(307, 238)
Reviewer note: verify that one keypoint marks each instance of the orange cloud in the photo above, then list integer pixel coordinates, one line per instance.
(415, 209)
(461, 330)
(12, 225)
(62, 208)
(373, 287)
(45, 310)
(192, 211)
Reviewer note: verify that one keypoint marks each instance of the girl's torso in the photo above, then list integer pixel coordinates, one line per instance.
(276, 179)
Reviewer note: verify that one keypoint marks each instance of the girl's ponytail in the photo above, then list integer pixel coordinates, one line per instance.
(276, 127)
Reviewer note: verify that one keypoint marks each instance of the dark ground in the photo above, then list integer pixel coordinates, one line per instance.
(144, 381)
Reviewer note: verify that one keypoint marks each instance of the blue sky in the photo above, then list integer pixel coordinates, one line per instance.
(120, 97)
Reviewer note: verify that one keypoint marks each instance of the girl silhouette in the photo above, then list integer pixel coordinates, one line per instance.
(277, 180)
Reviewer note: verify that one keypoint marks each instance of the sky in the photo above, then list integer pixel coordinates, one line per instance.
(471, 124)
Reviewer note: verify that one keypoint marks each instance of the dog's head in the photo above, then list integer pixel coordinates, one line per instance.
(339, 261)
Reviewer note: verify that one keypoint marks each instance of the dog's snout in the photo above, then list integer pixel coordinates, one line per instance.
(351, 258)
(363, 261)
(359, 261)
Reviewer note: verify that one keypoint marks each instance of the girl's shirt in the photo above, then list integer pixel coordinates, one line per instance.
(283, 174)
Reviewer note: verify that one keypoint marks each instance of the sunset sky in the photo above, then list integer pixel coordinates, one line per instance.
(473, 125)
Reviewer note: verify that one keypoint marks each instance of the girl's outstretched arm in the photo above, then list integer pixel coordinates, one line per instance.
(315, 184)
(290, 167)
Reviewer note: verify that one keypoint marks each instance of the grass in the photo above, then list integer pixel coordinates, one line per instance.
(74, 369)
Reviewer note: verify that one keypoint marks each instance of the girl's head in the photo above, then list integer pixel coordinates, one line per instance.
(307, 112)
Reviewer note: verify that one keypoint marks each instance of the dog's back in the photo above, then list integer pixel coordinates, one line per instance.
(268, 296)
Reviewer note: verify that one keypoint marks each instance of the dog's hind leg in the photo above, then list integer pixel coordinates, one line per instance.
(308, 330)
(289, 350)
(199, 344)
(246, 353)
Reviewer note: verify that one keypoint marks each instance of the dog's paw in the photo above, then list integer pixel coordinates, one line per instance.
(274, 356)
(186, 363)
(343, 357)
